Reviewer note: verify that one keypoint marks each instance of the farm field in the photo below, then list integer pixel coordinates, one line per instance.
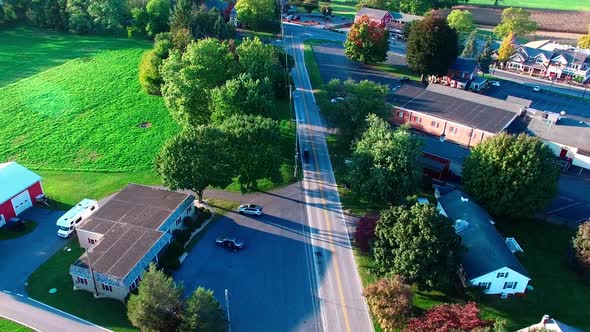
(541, 4)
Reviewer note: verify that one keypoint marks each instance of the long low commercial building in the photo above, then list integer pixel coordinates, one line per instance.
(124, 236)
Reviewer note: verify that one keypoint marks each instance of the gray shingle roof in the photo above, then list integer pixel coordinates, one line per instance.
(486, 249)
(465, 65)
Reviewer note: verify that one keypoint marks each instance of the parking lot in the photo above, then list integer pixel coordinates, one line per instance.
(269, 279)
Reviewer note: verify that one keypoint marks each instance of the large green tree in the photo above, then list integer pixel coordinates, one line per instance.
(203, 313)
(470, 48)
(255, 13)
(484, 59)
(253, 140)
(196, 159)
(47, 14)
(419, 244)
(385, 163)
(158, 14)
(461, 20)
(181, 16)
(353, 102)
(517, 21)
(367, 41)
(79, 21)
(432, 46)
(107, 15)
(210, 23)
(510, 175)
(256, 58)
(149, 67)
(241, 95)
(158, 303)
(188, 78)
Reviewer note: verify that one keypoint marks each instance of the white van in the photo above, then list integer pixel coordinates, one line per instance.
(66, 224)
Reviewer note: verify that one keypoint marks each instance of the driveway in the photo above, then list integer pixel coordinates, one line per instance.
(572, 204)
(25, 254)
(270, 280)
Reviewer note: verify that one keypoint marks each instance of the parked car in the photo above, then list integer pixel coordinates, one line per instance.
(537, 88)
(336, 100)
(394, 89)
(495, 83)
(230, 243)
(296, 18)
(404, 79)
(306, 154)
(250, 209)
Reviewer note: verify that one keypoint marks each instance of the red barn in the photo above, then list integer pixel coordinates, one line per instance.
(378, 16)
(18, 189)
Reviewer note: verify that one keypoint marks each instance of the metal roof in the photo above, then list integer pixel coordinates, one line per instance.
(15, 178)
(486, 249)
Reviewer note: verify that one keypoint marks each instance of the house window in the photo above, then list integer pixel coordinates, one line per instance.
(107, 288)
(485, 285)
(472, 134)
(135, 283)
(417, 119)
(178, 221)
(434, 124)
(501, 275)
(400, 114)
(510, 284)
(189, 209)
(91, 241)
(81, 281)
(453, 130)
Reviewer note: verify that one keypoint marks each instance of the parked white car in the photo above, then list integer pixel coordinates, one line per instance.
(537, 88)
(250, 209)
(495, 83)
(336, 100)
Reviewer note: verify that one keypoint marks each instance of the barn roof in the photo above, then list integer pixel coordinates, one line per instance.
(486, 249)
(130, 223)
(374, 13)
(14, 178)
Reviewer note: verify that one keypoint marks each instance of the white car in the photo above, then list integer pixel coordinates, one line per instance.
(337, 99)
(495, 83)
(250, 209)
(537, 88)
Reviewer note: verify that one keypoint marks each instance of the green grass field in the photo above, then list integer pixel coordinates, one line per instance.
(541, 4)
(6, 325)
(344, 8)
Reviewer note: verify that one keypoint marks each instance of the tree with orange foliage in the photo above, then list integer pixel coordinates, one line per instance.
(367, 41)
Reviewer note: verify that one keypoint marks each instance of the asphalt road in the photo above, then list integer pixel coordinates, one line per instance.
(544, 84)
(270, 280)
(342, 306)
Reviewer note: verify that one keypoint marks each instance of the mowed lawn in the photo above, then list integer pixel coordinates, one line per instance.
(7, 325)
(541, 4)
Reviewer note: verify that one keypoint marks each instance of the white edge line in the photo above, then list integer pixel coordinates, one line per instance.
(19, 322)
(7, 292)
(21, 295)
(68, 314)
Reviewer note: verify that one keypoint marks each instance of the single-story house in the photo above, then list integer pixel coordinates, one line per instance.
(550, 325)
(489, 261)
(451, 114)
(399, 20)
(378, 16)
(18, 189)
(124, 235)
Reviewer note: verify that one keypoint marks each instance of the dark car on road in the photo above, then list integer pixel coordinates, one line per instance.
(306, 154)
(230, 243)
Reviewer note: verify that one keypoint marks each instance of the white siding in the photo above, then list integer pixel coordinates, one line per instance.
(497, 283)
(572, 152)
(85, 236)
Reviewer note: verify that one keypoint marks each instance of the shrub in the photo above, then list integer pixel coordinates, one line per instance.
(581, 248)
(365, 232)
(189, 222)
(447, 318)
(169, 259)
(203, 216)
(181, 235)
(390, 301)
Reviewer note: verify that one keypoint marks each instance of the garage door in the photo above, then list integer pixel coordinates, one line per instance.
(21, 202)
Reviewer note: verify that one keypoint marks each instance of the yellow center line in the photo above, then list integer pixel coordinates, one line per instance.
(328, 224)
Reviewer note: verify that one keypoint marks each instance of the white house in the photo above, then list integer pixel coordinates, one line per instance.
(124, 235)
(550, 325)
(488, 261)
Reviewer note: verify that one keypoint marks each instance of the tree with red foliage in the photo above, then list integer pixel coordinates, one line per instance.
(390, 301)
(447, 318)
(367, 41)
(365, 232)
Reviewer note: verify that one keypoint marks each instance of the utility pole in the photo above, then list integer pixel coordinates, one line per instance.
(92, 273)
(227, 309)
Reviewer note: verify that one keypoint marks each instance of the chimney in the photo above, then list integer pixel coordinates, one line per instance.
(545, 319)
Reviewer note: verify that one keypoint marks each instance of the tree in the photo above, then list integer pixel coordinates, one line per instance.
(461, 20)
(107, 15)
(149, 73)
(517, 21)
(584, 41)
(139, 20)
(417, 243)
(210, 23)
(158, 13)
(256, 58)
(384, 163)
(80, 21)
(415, 7)
(253, 140)
(196, 159)
(581, 245)
(432, 46)
(511, 175)
(367, 41)
(377, 4)
(448, 318)
(206, 64)
(390, 301)
(470, 49)
(484, 59)
(47, 14)
(158, 303)
(326, 10)
(181, 16)
(310, 5)
(255, 13)
(241, 95)
(350, 114)
(203, 313)
(364, 233)
(506, 48)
